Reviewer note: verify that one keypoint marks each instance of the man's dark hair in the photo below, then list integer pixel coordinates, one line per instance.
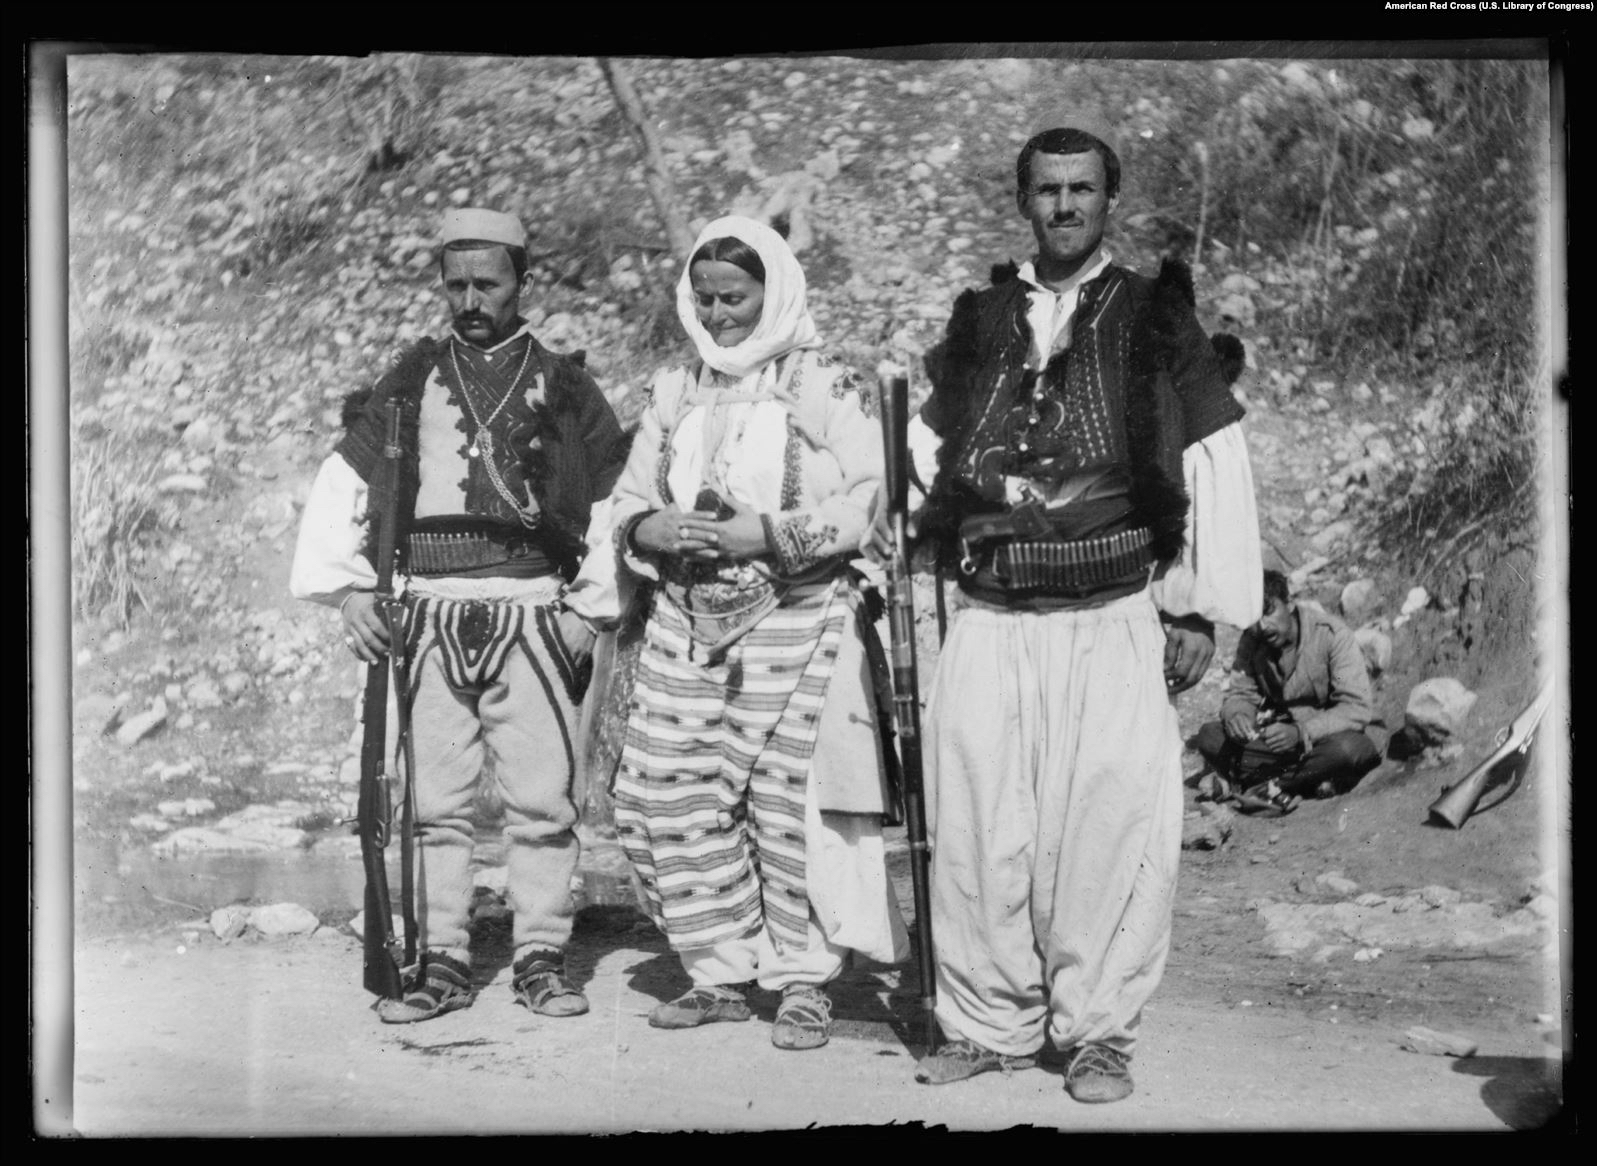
(730, 250)
(518, 255)
(1275, 587)
(1068, 141)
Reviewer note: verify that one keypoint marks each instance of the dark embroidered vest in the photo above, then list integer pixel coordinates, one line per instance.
(1137, 383)
(567, 450)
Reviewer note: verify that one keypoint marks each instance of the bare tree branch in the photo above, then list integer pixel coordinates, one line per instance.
(656, 175)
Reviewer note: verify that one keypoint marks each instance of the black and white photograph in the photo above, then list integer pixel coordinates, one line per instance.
(947, 587)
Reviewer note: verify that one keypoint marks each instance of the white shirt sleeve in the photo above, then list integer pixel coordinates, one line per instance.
(924, 446)
(1220, 574)
(596, 594)
(328, 564)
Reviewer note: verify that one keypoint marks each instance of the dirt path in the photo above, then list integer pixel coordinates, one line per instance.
(263, 1039)
(178, 1033)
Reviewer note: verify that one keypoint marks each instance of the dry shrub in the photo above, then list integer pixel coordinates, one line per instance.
(115, 511)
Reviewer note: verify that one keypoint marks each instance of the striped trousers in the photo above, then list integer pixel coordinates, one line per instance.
(710, 793)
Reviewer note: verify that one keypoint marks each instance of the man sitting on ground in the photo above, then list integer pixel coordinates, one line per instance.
(1299, 718)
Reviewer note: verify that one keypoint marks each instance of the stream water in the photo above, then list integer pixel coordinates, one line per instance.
(326, 878)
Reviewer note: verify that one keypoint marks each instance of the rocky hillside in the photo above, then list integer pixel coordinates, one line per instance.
(251, 240)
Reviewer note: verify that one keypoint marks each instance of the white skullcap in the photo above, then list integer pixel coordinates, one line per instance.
(488, 226)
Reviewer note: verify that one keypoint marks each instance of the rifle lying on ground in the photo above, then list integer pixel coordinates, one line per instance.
(374, 810)
(1459, 801)
(906, 697)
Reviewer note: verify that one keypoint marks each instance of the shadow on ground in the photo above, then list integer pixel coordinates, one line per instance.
(1524, 1092)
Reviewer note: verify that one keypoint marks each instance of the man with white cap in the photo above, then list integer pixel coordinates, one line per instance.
(505, 446)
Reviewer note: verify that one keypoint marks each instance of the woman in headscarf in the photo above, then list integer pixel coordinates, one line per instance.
(750, 792)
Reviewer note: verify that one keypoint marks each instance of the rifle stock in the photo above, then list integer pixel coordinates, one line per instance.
(374, 809)
(906, 696)
(1459, 801)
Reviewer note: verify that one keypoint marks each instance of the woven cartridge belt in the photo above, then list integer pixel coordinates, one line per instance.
(476, 548)
(1073, 565)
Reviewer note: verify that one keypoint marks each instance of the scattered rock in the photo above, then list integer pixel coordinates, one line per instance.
(1337, 532)
(1238, 307)
(1337, 883)
(1436, 1044)
(1309, 567)
(1415, 600)
(1356, 597)
(203, 694)
(235, 684)
(199, 434)
(1437, 709)
(176, 772)
(136, 728)
(1438, 896)
(278, 919)
(358, 924)
(1208, 827)
(228, 923)
(187, 808)
(1366, 955)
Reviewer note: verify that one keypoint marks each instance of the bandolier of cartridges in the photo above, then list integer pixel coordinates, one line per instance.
(1077, 564)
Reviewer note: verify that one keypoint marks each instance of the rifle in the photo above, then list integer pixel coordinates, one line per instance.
(374, 809)
(1461, 800)
(906, 711)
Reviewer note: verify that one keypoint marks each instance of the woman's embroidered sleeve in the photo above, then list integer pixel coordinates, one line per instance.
(328, 563)
(835, 524)
(638, 491)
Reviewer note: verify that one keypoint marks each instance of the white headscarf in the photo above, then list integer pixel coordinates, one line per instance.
(785, 322)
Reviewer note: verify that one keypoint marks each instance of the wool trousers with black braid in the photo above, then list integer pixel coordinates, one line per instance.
(512, 724)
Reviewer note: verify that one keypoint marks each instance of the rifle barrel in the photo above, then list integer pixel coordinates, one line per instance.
(373, 809)
(906, 686)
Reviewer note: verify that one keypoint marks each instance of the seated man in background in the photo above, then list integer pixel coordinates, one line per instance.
(1298, 719)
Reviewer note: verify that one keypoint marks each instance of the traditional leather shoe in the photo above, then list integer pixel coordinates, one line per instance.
(705, 1004)
(441, 984)
(539, 984)
(804, 1020)
(959, 1059)
(1098, 1073)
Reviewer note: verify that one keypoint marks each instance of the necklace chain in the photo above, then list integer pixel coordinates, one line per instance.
(482, 442)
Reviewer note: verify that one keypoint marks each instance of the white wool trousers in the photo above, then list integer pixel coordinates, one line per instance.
(1053, 772)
